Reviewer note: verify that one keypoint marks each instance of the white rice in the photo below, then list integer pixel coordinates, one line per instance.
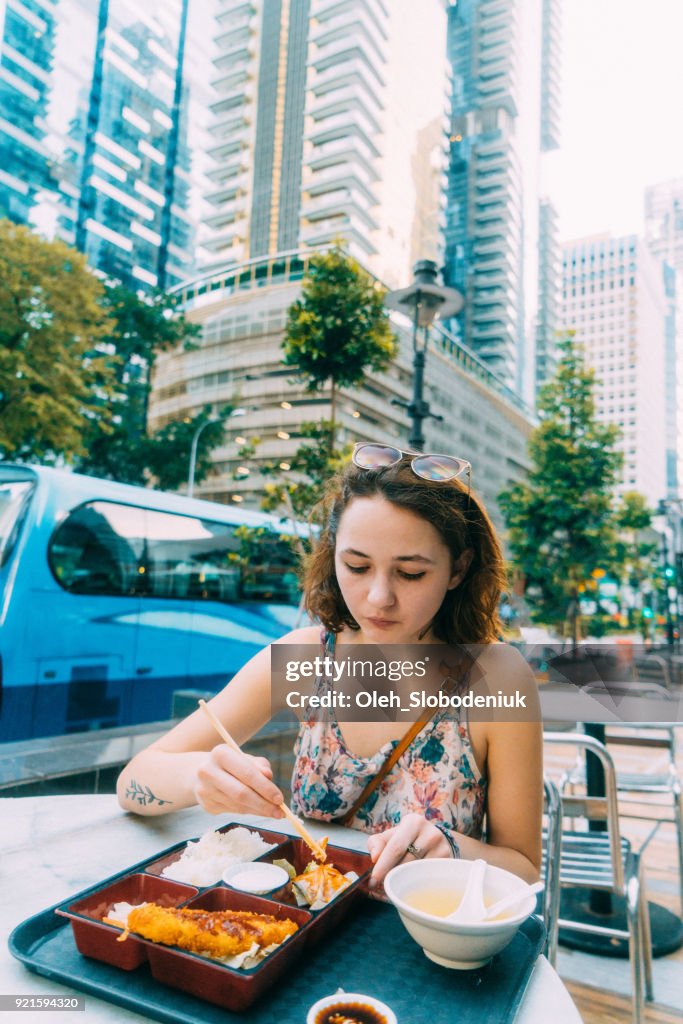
(204, 861)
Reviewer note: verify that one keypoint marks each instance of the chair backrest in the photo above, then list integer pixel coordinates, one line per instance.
(595, 807)
(653, 668)
(553, 846)
(652, 735)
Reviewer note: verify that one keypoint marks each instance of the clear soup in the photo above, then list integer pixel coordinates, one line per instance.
(442, 902)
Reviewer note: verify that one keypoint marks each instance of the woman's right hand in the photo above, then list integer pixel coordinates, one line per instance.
(230, 781)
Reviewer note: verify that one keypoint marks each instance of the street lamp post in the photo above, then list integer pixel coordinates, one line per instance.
(422, 301)
(195, 442)
(193, 453)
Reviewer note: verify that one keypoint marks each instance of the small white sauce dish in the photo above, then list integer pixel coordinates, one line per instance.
(255, 877)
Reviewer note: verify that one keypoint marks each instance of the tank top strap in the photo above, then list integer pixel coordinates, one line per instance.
(328, 640)
(327, 643)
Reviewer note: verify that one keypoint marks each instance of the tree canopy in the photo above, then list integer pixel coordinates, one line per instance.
(55, 375)
(142, 326)
(167, 451)
(564, 521)
(339, 328)
(299, 488)
(76, 356)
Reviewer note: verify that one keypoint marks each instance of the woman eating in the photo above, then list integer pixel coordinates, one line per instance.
(407, 555)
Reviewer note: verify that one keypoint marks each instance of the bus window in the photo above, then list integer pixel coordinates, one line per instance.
(98, 549)
(105, 548)
(186, 558)
(14, 501)
(268, 566)
(208, 561)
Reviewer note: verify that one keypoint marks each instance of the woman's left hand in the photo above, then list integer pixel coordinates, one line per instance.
(387, 849)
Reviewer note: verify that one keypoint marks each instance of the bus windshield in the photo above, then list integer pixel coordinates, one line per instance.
(14, 499)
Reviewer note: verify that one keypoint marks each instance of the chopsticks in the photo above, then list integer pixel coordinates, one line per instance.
(317, 849)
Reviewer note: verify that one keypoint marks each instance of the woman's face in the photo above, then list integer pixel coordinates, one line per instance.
(393, 570)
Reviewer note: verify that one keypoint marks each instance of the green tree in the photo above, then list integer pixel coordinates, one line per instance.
(299, 488)
(339, 327)
(143, 326)
(167, 452)
(636, 552)
(562, 521)
(55, 376)
(295, 487)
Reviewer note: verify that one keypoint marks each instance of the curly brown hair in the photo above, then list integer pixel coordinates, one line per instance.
(469, 612)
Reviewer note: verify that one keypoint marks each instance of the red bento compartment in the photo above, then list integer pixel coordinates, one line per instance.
(98, 940)
(213, 981)
(299, 855)
(155, 867)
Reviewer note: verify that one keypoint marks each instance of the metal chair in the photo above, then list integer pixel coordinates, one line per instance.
(661, 788)
(605, 861)
(550, 870)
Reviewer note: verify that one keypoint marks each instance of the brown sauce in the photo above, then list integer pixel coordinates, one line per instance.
(350, 1013)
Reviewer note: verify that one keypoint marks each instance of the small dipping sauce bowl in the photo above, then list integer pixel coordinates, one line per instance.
(255, 877)
(351, 1006)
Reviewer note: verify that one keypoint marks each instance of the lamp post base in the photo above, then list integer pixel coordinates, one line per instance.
(575, 905)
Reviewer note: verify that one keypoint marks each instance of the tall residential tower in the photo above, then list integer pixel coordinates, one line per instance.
(319, 132)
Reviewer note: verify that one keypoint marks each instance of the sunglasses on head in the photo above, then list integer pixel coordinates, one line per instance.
(439, 468)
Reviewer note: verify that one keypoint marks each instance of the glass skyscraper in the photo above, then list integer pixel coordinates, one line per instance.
(102, 104)
(504, 55)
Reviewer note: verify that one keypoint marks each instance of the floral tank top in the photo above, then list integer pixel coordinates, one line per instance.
(436, 776)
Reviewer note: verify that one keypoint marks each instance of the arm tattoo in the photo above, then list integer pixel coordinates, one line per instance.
(143, 795)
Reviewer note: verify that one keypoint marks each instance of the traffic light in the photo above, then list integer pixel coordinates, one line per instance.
(647, 612)
(669, 572)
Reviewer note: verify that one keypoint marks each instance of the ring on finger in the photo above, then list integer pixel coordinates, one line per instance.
(415, 851)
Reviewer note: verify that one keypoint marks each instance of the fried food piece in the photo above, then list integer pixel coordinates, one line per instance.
(217, 933)
(320, 883)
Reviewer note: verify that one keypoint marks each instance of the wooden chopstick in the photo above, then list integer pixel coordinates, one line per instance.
(318, 850)
(219, 727)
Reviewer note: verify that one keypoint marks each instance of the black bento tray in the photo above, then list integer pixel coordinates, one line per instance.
(369, 952)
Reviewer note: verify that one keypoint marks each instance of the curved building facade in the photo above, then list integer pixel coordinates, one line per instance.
(243, 311)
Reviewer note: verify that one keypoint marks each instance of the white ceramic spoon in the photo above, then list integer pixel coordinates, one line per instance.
(512, 900)
(471, 906)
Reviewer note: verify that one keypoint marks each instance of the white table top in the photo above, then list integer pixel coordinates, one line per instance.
(65, 843)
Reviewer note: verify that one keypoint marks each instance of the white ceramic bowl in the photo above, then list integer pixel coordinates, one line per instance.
(346, 999)
(256, 877)
(453, 944)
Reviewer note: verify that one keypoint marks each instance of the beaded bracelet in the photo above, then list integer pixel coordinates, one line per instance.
(450, 839)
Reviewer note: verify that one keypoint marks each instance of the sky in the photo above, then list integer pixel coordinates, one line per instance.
(621, 112)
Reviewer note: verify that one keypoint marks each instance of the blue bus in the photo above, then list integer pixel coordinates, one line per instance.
(112, 597)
